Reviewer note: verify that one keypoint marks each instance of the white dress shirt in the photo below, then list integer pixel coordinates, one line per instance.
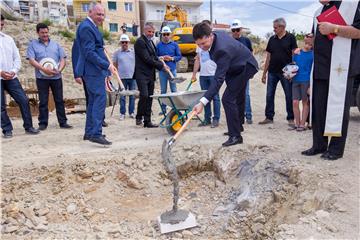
(9, 55)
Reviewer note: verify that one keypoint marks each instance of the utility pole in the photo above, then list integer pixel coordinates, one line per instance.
(211, 12)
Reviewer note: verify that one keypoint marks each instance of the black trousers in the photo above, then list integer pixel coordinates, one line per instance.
(146, 89)
(56, 87)
(319, 105)
(233, 99)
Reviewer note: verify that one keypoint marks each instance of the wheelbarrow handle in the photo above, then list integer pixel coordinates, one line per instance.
(167, 70)
(191, 115)
(116, 73)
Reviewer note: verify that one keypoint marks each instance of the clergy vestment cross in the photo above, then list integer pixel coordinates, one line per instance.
(340, 69)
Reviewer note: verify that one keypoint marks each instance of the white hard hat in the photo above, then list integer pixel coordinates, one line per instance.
(290, 70)
(236, 24)
(48, 63)
(124, 38)
(166, 29)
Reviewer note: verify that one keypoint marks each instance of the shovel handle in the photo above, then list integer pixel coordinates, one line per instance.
(192, 114)
(168, 71)
(116, 73)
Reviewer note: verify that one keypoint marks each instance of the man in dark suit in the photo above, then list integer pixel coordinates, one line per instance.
(235, 65)
(146, 63)
(93, 66)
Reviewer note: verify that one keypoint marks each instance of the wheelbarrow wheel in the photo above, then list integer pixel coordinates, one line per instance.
(170, 119)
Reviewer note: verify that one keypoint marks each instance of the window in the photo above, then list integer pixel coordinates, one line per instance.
(113, 27)
(112, 6)
(128, 7)
(159, 14)
(85, 7)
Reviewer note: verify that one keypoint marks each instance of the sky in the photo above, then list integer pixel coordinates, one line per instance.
(258, 15)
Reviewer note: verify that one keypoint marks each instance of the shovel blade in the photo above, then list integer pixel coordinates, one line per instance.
(129, 93)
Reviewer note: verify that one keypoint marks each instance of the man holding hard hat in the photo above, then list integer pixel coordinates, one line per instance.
(48, 58)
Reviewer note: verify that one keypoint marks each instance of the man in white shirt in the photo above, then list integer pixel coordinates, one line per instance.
(10, 64)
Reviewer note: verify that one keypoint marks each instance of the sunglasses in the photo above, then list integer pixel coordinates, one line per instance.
(166, 34)
(124, 42)
(235, 30)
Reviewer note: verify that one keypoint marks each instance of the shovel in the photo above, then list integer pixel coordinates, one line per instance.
(171, 75)
(175, 219)
(121, 90)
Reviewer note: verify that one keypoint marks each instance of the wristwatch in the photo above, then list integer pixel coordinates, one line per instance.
(336, 29)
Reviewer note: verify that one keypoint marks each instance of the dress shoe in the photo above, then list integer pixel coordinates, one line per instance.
(66, 126)
(266, 121)
(42, 127)
(150, 125)
(312, 152)
(104, 124)
(233, 141)
(215, 123)
(32, 131)
(7, 134)
(87, 137)
(138, 122)
(329, 156)
(100, 140)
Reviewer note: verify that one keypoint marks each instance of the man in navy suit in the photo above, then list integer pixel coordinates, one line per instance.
(93, 67)
(235, 65)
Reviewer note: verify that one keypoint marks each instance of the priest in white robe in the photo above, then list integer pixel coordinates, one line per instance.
(336, 65)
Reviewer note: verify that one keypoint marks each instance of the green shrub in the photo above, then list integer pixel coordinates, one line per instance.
(132, 40)
(67, 34)
(48, 22)
(106, 34)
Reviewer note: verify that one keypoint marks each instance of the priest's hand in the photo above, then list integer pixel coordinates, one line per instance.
(326, 28)
(78, 80)
(198, 108)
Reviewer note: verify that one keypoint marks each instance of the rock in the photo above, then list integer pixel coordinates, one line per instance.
(260, 219)
(71, 208)
(331, 228)
(29, 214)
(134, 183)
(122, 176)
(102, 210)
(12, 210)
(86, 173)
(41, 228)
(98, 179)
(220, 210)
(127, 162)
(29, 224)
(242, 214)
(178, 235)
(224, 167)
(322, 215)
(11, 228)
(90, 189)
(187, 234)
(101, 235)
(42, 212)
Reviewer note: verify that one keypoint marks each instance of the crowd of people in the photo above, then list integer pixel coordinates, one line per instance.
(318, 84)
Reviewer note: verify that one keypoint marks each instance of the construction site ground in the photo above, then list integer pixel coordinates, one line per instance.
(55, 185)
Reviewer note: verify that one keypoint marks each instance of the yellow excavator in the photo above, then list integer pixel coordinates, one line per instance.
(177, 19)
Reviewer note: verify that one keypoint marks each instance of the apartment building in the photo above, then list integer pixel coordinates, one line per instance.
(118, 13)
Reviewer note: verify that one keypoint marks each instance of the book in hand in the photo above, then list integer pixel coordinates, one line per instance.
(332, 15)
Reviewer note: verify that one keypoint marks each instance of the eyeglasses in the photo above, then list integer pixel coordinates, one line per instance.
(235, 30)
(124, 42)
(166, 34)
